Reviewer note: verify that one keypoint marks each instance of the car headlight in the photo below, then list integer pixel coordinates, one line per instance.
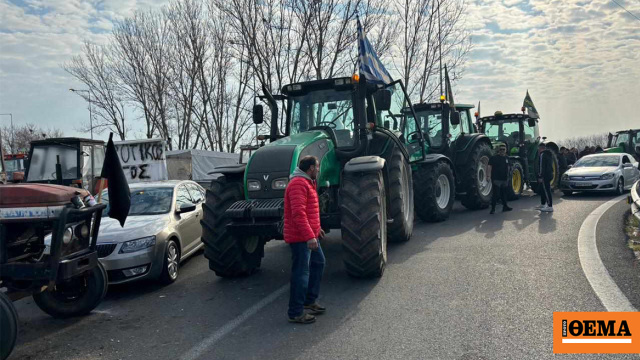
(137, 244)
(565, 177)
(607, 176)
(279, 184)
(253, 185)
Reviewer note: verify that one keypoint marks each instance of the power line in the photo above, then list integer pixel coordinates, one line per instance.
(623, 8)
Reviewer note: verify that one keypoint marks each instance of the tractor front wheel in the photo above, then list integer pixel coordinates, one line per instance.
(229, 256)
(475, 178)
(516, 181)
(363, 222)
(434, 189)
(400, 198)
(8, 326)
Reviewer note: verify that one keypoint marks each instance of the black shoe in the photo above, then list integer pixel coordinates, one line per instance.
(303, 319)
(493, 211)
(315, 309)
(506, 208)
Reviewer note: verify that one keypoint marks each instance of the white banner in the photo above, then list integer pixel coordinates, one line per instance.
(143, 160)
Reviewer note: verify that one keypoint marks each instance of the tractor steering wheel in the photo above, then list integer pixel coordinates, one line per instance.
(330, 124)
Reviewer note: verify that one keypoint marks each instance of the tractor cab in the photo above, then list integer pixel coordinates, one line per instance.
(517, 131)
(66, 161)
(442, 134)
(624, 142)
(16, 164)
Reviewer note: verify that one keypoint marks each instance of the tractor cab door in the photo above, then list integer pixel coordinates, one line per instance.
(92, 159)
(399, 118)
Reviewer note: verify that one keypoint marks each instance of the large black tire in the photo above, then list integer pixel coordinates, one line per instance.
(363, 221)
(229, 256)
(8, 326)
(76, 296)
(516, 181)
(474, 178)
(434, 191)
(400, 198)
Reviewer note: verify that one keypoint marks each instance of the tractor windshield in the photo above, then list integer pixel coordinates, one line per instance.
(329, 107)
(431, 125)
(15, 165)
(42, 166)
(507, 131)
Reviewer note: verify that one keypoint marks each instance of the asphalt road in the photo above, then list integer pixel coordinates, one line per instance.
(477, 286)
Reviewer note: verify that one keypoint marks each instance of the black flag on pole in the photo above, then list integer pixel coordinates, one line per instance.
(448, 90)
(119, 193)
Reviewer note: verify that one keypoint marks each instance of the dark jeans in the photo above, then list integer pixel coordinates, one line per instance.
(499, 190)
(545, 192)
(306, 273)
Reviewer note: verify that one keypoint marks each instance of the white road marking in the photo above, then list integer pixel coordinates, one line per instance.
(197, 351)
(603, 285)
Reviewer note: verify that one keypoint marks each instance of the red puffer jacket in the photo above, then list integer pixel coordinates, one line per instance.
(301, 211)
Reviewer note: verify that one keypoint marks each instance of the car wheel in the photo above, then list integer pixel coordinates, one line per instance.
(620, 187)
(171, 264)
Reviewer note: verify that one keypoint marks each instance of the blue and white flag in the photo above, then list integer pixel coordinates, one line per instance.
(370, 65)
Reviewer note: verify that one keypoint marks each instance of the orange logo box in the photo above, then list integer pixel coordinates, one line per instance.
(596, 332)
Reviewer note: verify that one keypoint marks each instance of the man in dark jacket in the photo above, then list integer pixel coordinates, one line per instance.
(302, 232)
(499, 175)
(545, 176)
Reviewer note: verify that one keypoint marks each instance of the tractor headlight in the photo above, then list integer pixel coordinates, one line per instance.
(138, 244)
(279, 184)
(67, 236)
(253, 185)
(608, 176)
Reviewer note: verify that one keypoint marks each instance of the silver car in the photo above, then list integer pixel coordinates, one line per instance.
(162, 229)
(601, 172)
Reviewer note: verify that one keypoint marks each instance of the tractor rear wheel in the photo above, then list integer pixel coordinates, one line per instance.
(435, 191)
(400, 198)
(363, 221)
(516, 181)
(8, 326)
(229, 256)
(475, 179)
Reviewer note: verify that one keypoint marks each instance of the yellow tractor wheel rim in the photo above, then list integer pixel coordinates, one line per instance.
(516, 181)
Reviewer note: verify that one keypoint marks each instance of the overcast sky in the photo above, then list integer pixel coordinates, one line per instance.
(577, 58)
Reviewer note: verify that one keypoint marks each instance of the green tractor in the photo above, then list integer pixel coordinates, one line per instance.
(624, 141)
(521, 134)
(469, 151)
(369, 150)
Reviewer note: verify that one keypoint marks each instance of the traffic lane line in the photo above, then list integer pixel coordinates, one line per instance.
(601, 282)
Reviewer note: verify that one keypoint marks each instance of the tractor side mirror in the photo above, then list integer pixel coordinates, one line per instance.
(637, 149)
(258, 114)
(531, 122)
(455, 118)
(382, 99)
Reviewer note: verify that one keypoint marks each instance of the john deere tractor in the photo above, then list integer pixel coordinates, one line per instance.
(368, 148)
(455, 137)
(521, 134)
(624, 141)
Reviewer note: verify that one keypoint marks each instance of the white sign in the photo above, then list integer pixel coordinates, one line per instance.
(143, 160)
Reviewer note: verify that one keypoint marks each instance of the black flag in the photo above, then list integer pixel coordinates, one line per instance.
(448, 90)
(119, 194)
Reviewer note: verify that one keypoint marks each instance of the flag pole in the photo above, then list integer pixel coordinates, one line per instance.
(440, 47)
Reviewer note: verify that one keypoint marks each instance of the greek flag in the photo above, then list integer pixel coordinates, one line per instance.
(531, 109)
(370, 65)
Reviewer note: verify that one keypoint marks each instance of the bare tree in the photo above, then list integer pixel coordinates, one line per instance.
(581, 142)
(95, 71)
(22, 136)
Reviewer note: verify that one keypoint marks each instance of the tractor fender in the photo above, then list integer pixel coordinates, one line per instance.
(463, 154)
(229, 169)
(433, 158)
(364, 164)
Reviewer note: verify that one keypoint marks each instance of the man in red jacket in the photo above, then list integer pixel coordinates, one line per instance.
(302, 232)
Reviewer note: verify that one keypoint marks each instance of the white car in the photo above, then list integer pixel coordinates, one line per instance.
(601, 173)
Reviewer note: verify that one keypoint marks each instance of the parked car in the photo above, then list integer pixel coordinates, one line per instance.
(601, 172)
(162, 230)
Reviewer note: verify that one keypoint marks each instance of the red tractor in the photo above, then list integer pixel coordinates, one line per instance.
(16, 164)
(48, 239)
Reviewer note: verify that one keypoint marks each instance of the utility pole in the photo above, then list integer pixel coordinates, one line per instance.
(13, 140)
(90, 113)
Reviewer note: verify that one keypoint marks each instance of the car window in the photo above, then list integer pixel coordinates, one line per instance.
(625, 160)
(195, 192)
(183, 196)
(596, 161)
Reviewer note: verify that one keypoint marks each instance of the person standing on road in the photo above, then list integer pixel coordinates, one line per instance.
(545, 176)
(302, 232)
(499, 176)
